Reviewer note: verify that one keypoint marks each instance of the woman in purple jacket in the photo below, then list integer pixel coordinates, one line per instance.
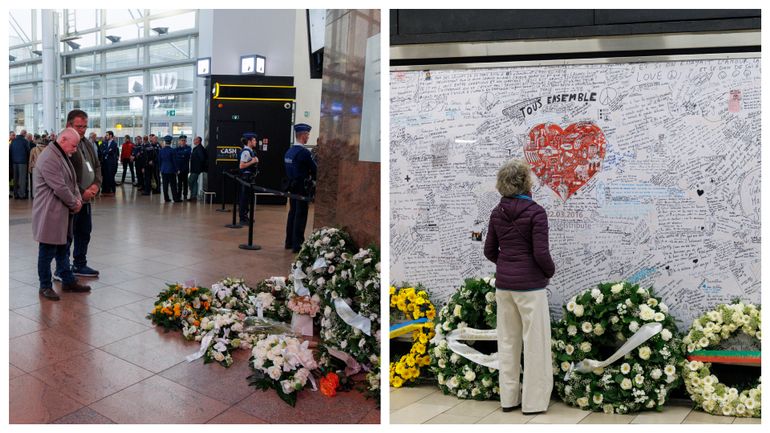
(517, 242)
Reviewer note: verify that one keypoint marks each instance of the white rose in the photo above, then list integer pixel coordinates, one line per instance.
(626, 384)
(625, 368)
(665, 335)
(441, 363)
(614, 319)
(571, 330)
(490, 296)
(569, 349)
(645, 352)
(454, 358)
(659, 317)
(663, 307)
(587, 327)
(582, 401)
(458, 311)
(652, 302)
(656, 374)
(571, 306)
(598, 329)
(219, 356)
(641, 291)
(579, 310)
(633, 326)
(639, 379)
(595, 293)
(470, 375)
(598, 398)
(565, 366)
(585, 346)
(646, 313)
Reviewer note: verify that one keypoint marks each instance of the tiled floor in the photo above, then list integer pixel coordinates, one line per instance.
(94, 358)
(427, 405)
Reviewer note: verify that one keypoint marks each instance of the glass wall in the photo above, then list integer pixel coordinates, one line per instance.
(144, 84)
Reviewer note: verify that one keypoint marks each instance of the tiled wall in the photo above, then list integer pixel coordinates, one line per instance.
(348, 190)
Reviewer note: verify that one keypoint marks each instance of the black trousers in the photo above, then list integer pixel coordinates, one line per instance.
(169, 180)
(181, 184)
(130, 164)
(139, 175)
(295, 224)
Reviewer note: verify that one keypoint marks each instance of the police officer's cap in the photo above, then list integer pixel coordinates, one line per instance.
(302, 127)
(168, 138)
(250, 135)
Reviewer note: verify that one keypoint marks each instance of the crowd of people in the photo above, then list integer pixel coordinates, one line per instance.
(69, 169)
(152, 164)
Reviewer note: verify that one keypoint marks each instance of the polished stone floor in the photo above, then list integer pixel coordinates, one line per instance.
(428, 405)
(94, 358)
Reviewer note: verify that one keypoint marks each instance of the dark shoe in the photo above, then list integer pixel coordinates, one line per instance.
(167, 200)
(85, 271)
(533, 413)
(145, 193)
(295, 251)
(511, 409)
(75, 287)
(49, 293)
(193, 200)
(287, 247)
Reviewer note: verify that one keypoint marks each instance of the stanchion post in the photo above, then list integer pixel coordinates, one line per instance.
(222, 175)
(250, 245)
(235, 224)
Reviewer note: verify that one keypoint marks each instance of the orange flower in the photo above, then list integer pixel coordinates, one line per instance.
(196, 323)
(206, 305)
(329, 384)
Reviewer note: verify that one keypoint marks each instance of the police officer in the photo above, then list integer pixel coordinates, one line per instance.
(168, 169)
(248, 168)
(149, 160)
(135, 156)
(182, 155)
(156, 167)
(300, 169)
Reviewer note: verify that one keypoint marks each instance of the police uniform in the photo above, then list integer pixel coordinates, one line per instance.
(149, 158)
(168, 169)
(182, 156)
(247, 154)
(300, 168)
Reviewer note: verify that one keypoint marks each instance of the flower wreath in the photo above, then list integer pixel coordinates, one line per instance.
(273, 295)
(456, 374)
(704, 388)
(599, 318)
(415, 304)
(318, 259)
(357, 285)
(282, 363)
(179, 307)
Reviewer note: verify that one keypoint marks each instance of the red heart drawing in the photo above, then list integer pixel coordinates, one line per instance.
(565, 159)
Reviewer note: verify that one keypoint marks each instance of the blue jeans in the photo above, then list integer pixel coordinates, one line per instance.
(81, 227)
(46, 253)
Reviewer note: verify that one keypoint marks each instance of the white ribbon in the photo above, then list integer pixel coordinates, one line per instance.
(644, 333)
(299, 288)
(319, 263)
(351, 365)
(470, 353)
(351, 317)
(205, 341)
(310, 364)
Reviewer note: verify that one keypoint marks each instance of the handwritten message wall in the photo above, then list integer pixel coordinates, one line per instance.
(674, 201)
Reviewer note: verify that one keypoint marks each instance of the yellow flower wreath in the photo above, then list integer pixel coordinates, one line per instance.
(414, 304)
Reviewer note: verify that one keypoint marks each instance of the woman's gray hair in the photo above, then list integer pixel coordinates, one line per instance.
(514, 178)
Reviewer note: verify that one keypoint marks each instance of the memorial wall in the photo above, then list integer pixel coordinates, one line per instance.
(649, 172)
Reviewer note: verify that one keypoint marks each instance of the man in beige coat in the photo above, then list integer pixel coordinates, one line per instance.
(57, 199)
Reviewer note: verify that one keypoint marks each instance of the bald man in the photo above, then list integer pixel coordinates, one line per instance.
(57, 199)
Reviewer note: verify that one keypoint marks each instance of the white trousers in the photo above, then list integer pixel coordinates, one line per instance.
(523, 317)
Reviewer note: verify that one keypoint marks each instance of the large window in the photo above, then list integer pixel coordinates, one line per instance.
(86, 87)
(124, 115)
(170, 51)
(123, 58)
(180, 104)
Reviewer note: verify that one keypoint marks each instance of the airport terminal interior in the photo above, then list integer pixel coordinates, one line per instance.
(231, 78)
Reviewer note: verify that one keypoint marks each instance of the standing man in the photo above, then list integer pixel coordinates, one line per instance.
(58, 198)
(135, 159)
(33, 155)
(149, 160)
(111, 154)
(20, 158)
(156, 167)
(248, 168)
(125, 158)
(88, 171)
(168, 169)
(300, 168)
(182, 155)
(198, 165)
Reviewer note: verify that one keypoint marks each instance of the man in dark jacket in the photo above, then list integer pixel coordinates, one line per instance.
(517, 242)
(182, 155)
(168, 169)
(20, 158)
(198, 165)
(111, 154)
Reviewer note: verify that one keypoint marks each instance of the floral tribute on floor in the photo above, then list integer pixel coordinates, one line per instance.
(332, 294)
(411, 314)
(616, 350)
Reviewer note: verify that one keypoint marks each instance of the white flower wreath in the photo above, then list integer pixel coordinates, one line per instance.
(603, 318)
(456, 374)
(704, 387)
(318, 259)
(357, 284)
